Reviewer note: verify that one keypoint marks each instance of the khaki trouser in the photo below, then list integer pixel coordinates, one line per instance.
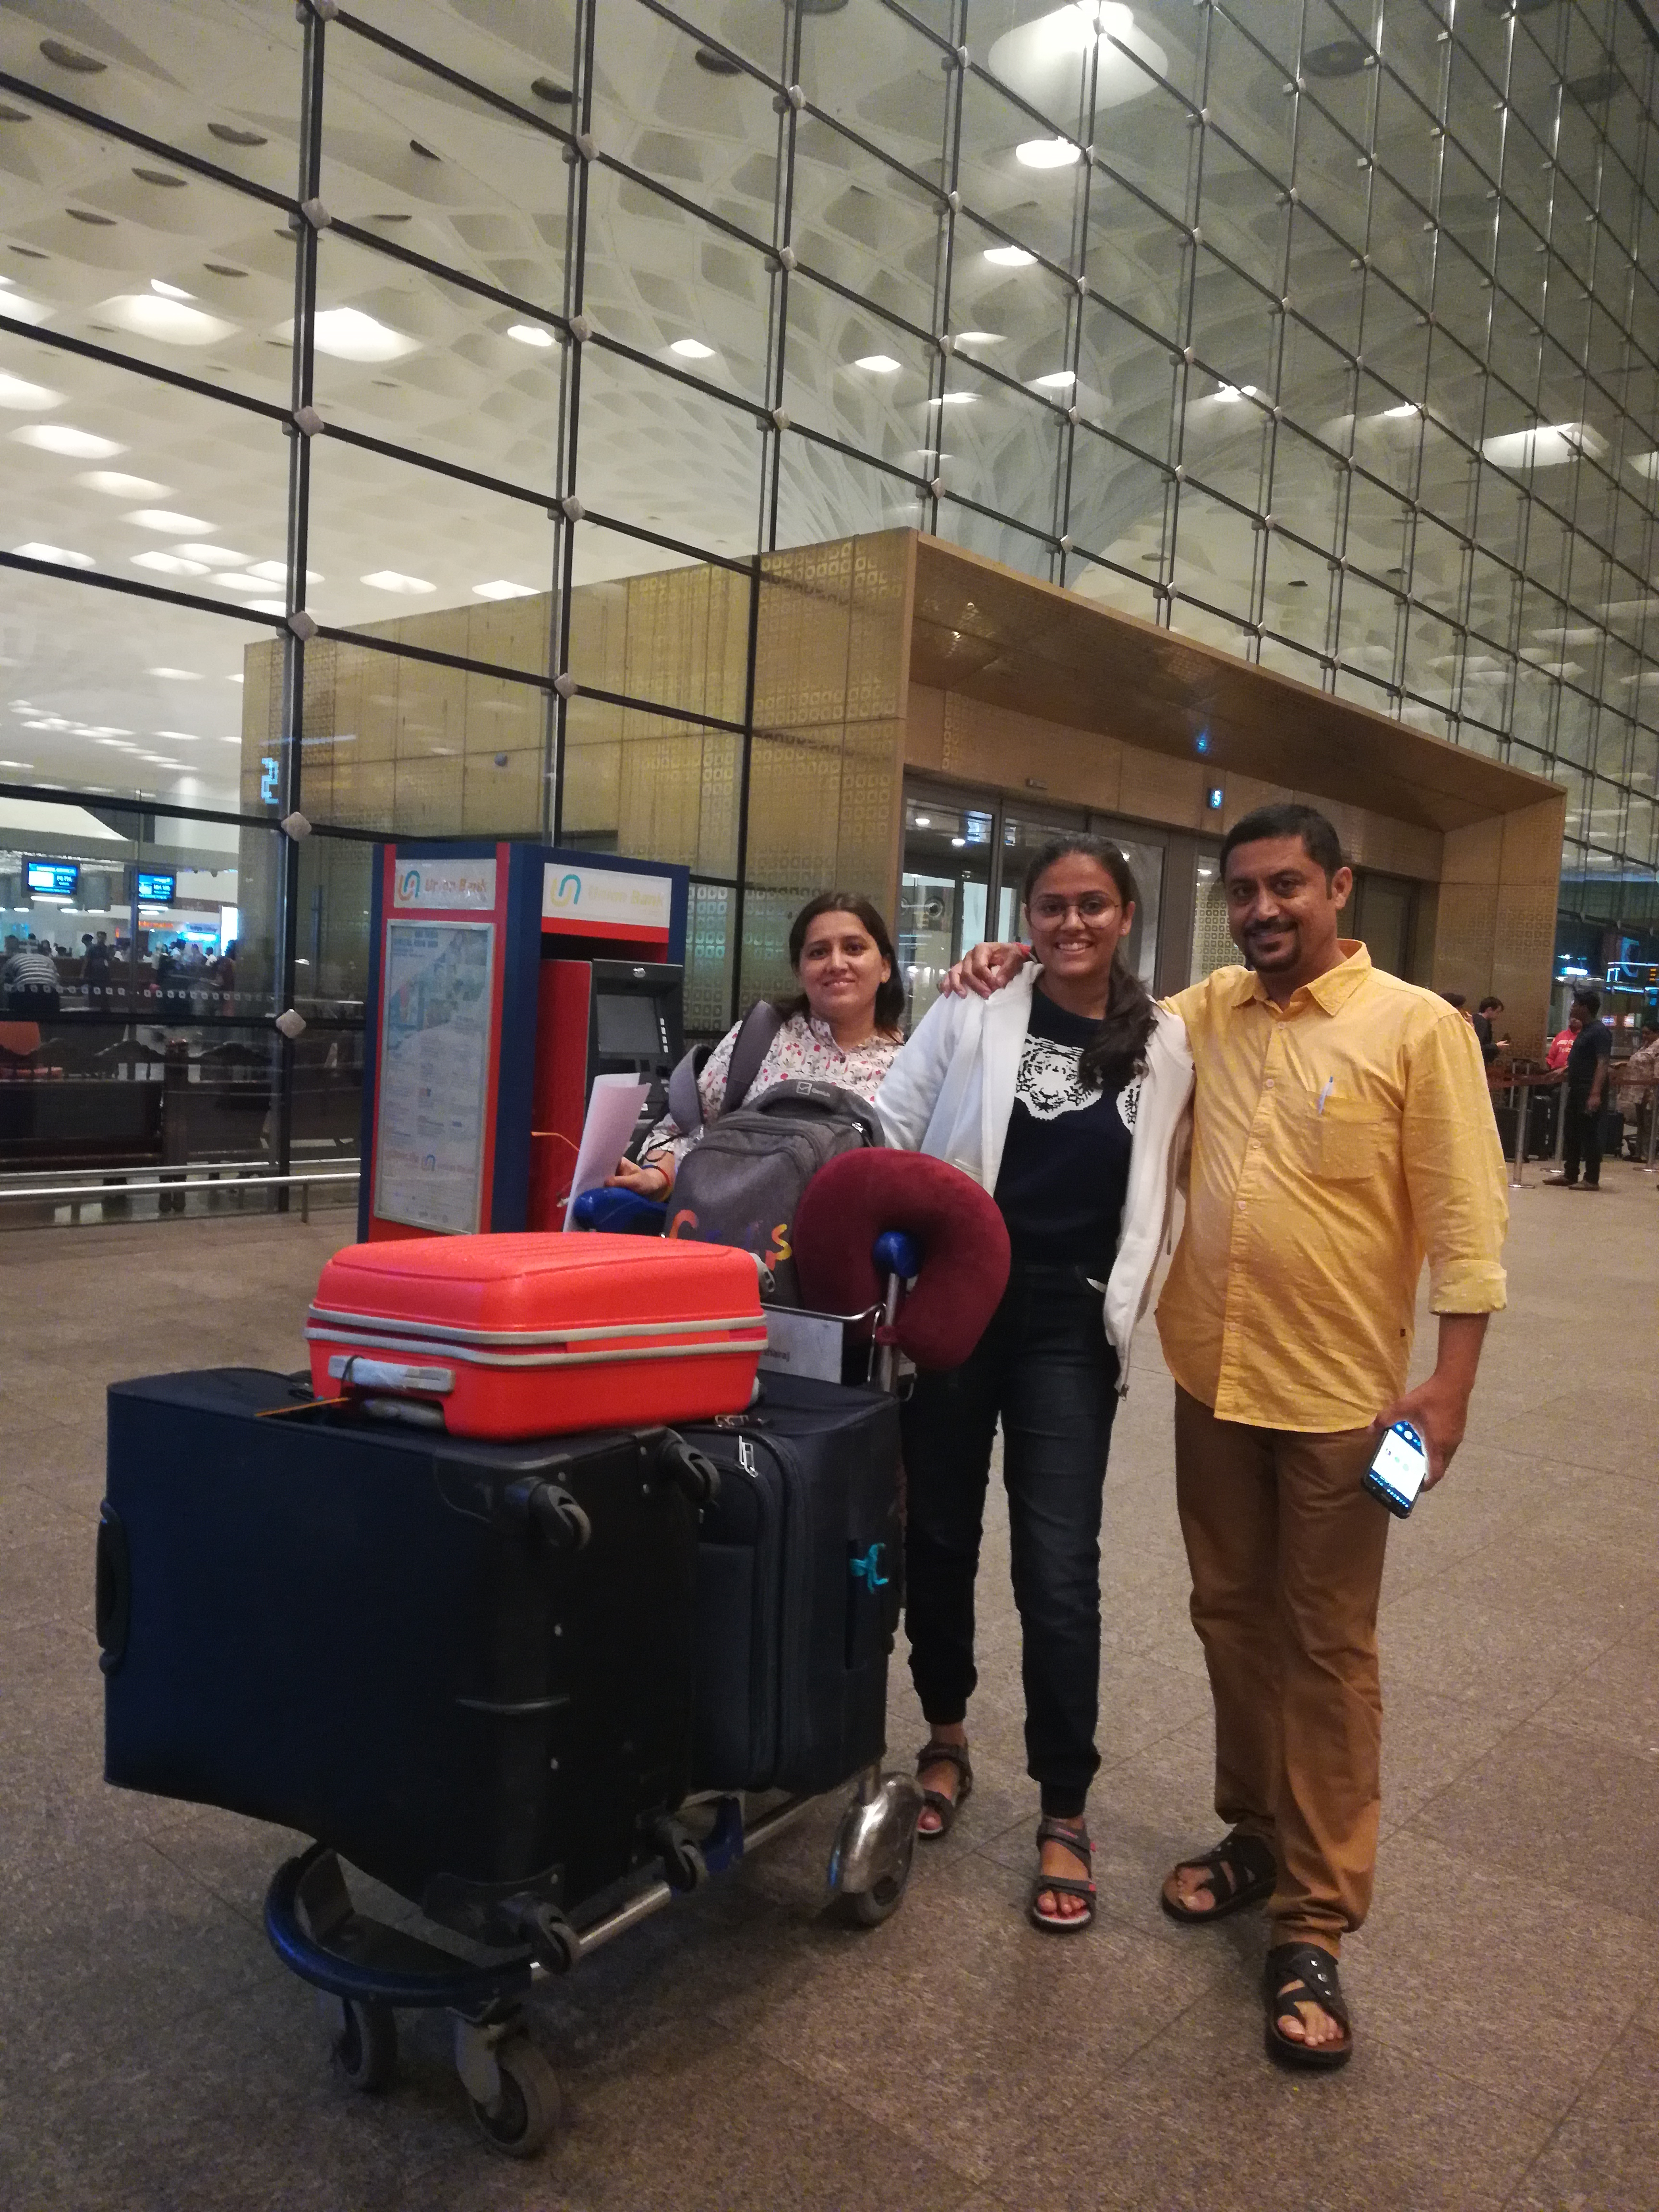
(1286, 1547)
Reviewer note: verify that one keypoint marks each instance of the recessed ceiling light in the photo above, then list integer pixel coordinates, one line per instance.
(1058, 380)
(59, 438)
(692, 349)
(1232, 392)
(276, 572)
(267, 606)
(18, 392)
(71, 58)
(167, 318)
(35, 551)
(501, 589)
(390, 579)
(528, 334)
(954, 399)
(169, 564)
(163, 518)
(170, 291)
(979, 337)
(118, 486)
(959, 841)
(239, 579)
(349, 335)
(179, 737)
(1048, 153)
(1009, 257)
(1397, 414)
(116, 744)
(879, 364)
(1337, 57)
(217, 556)
(235, 740)
(924, 821)
(17, 308)
(234, 679)
(174, 676)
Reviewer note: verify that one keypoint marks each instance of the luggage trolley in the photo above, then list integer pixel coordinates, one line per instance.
(375, 1969)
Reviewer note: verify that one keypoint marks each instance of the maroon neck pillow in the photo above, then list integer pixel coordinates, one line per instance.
(854, 1198)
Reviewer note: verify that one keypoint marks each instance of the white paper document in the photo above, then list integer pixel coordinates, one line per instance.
(612, 1110)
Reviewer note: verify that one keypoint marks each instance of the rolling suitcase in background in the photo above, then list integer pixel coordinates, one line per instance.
(468, 1667)
(797, 1587)
(538, 1335)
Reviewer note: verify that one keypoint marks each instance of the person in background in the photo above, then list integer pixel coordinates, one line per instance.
(1457, 1002)
(1049, 1098)
(1342, 1130)
(1586, 1087)
(95, 962)
(31, 983)
(1635, 1095)
(1486, 1028)
(841, 1027)
(1561, 1043)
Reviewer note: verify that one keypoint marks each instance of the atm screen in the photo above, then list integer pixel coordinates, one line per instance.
(627, 1025)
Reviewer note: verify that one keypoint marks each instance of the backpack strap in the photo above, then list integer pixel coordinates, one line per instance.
(754, 1040)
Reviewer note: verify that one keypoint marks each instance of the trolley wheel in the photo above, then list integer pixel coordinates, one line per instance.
(868, 1908)
(526, 2109)
(366, 2043)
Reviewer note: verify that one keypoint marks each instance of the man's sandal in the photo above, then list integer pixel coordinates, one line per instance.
(937, 1801)
(1075, 1837)
(1239, 1871)
(1298, 1974)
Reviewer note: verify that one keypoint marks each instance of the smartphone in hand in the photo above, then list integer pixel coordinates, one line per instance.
(1399, 1468)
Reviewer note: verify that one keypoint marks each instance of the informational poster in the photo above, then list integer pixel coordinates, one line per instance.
(434, 1074)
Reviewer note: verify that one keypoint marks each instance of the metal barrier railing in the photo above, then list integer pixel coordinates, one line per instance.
(1517, 1090)
(116, 1184)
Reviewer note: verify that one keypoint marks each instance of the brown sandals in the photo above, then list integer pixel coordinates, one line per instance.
(1239, 1871)
(944, 1754)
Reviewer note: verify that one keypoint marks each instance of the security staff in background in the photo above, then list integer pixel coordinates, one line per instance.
(1342, 1131)
(1586, 1087)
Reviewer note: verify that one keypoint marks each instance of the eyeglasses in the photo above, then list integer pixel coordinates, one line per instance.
(1093, 906)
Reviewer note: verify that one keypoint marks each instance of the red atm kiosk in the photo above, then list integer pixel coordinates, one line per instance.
(504, 978)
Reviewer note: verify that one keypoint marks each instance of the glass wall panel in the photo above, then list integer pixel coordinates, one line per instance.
(1325, 335)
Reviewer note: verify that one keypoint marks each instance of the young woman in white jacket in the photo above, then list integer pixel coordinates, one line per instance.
(1062, 1096)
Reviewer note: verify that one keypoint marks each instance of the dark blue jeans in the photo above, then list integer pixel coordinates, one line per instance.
(1044, 1366)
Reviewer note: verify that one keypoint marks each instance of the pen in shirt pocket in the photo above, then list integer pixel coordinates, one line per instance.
(1330, 1085)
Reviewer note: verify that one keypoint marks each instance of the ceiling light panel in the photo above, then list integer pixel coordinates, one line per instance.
(172, 322)
(64, 439)
(114, 485)
(164, 518)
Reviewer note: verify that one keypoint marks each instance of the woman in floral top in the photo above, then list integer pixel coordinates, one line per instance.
(843, 1027)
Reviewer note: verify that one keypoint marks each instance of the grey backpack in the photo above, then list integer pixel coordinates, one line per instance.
(742, 1181)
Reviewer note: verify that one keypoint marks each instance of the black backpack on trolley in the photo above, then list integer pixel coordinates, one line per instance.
(743, 1179)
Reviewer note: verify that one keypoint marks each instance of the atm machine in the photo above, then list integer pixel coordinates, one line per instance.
(503, 978)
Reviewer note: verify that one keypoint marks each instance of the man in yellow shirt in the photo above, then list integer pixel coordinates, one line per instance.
(1342, 1132)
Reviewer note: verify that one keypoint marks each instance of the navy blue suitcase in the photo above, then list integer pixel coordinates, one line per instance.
(465, 1666)
(797, 1587)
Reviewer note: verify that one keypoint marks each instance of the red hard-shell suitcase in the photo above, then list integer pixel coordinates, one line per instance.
(531, 1335)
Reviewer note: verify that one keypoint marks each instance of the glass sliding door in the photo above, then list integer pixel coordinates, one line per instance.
(944, 887)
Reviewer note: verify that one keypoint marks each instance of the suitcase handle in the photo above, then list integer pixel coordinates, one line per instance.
(113, 1600)
(355, 1373)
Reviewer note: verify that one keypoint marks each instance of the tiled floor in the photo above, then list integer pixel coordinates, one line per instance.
(746, 2051)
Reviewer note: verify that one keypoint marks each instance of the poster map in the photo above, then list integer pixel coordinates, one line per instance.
(435, 1073)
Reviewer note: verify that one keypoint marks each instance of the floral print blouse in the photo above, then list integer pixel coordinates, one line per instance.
(804, 1046)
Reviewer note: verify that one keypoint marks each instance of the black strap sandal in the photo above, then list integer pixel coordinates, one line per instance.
(938, 1801)
(1075, 1836)
(1298, 1974)
(1239, 1871)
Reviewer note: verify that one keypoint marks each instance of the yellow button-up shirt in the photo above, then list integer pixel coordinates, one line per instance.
(1336, 1142)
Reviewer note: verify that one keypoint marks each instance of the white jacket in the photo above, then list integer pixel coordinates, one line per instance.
(951, 1091)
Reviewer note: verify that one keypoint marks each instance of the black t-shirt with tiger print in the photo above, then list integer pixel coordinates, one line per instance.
(1066, 1159)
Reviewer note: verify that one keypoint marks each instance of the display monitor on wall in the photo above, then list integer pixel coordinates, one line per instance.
(55, 878)
(156, 889)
